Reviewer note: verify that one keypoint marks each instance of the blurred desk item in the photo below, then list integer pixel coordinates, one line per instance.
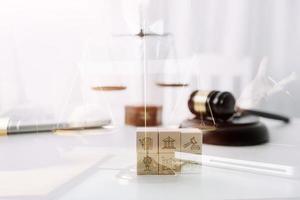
(101, 164)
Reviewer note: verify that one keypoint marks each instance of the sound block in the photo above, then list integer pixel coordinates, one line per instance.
(238, 131)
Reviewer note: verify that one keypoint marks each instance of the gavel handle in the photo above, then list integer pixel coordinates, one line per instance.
(187, 144)
(265, 115)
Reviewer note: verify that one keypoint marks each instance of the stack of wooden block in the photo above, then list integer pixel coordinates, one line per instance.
(156, 149)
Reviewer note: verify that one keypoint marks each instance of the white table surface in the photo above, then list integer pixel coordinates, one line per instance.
(100, 164)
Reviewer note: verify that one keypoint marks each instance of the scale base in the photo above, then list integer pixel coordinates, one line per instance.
(242, 131)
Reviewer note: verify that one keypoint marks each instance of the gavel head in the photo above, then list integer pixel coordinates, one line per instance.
(193, 140)
(220, 105)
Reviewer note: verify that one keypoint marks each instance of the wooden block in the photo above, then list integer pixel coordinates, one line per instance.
(191, 140)
(168, 164)
(147, 140)
(169, 140)
(147, 164)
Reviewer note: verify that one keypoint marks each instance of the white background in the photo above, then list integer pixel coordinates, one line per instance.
(48, 48)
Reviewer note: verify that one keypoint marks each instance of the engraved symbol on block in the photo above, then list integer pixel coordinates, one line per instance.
(147, 162)
(169, 143)
(167, 163)
(193, 144)
(147, 143)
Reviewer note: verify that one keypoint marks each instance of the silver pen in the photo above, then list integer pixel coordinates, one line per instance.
(10, 126)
